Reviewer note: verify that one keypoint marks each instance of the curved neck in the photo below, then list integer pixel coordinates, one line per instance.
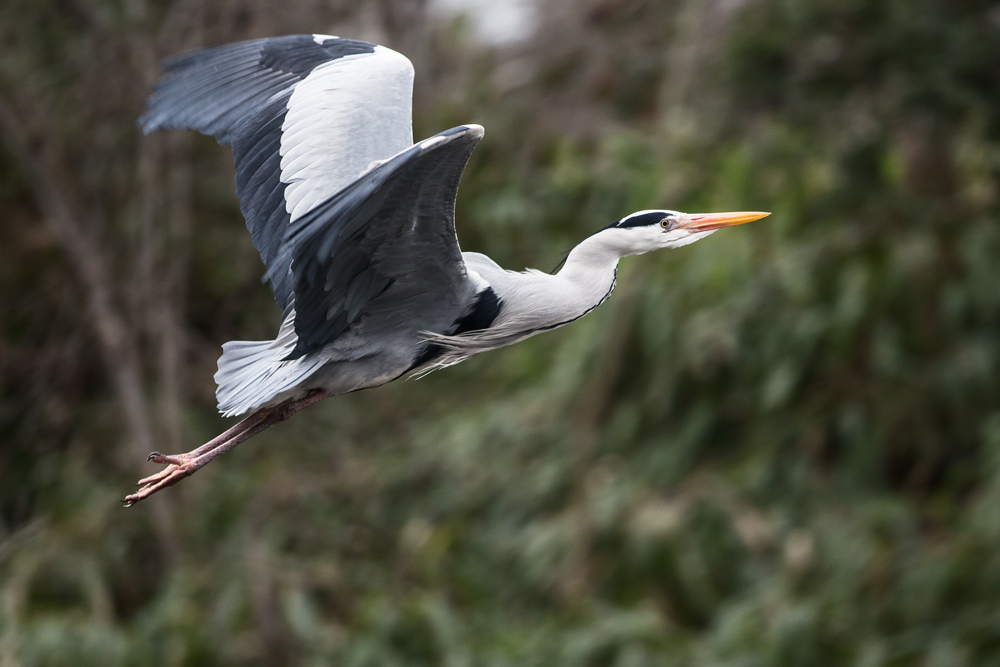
(585, 280)
(532, 301)
(594, 257)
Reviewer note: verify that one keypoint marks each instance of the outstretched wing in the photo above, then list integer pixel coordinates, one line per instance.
(305, 115)
(380, 259)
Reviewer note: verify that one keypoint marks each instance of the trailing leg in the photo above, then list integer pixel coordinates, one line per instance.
(184, 465)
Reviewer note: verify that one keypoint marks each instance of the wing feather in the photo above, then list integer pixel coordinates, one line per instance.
(305, 115)
(381, 258)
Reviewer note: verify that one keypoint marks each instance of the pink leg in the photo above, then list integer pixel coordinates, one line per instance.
(180, 466)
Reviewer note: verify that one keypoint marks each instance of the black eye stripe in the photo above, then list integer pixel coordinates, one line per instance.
(643, 220)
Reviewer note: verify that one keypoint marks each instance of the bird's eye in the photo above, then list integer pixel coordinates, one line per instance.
(666, 222)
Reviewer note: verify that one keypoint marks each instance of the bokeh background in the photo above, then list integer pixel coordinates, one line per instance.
(779, 446)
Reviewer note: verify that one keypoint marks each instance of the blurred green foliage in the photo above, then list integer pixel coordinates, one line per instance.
(780, 446)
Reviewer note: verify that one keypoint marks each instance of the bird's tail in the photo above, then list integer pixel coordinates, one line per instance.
(253, 374)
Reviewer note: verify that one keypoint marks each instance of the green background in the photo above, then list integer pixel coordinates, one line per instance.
(779, 446)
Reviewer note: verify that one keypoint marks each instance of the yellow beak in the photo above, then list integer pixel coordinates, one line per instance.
(704, 222)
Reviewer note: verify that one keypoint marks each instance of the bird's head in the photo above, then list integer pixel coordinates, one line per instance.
(645, 231)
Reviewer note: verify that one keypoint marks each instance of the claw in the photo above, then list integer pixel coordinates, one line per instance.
(171, 459)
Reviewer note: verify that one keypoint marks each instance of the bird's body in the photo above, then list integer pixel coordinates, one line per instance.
(355, 225)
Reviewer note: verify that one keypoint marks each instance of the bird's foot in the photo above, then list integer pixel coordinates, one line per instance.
(177, 469)
(180, 466)
(172, 462)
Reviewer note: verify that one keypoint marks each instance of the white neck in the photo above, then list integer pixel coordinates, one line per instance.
(536, 300)
(533, 301)
(593, 259)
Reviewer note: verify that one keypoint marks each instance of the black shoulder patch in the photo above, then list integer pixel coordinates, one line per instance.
(484, 311)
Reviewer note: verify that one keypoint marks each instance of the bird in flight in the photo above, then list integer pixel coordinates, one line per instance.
(355, 224)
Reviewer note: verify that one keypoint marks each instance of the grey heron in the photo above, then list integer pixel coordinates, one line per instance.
(355, 225)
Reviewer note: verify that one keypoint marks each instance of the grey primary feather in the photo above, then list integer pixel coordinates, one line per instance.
(215, 90)
(238, 93)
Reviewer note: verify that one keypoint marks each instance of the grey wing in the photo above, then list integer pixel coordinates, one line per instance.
(305, 115)
(379, 263)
